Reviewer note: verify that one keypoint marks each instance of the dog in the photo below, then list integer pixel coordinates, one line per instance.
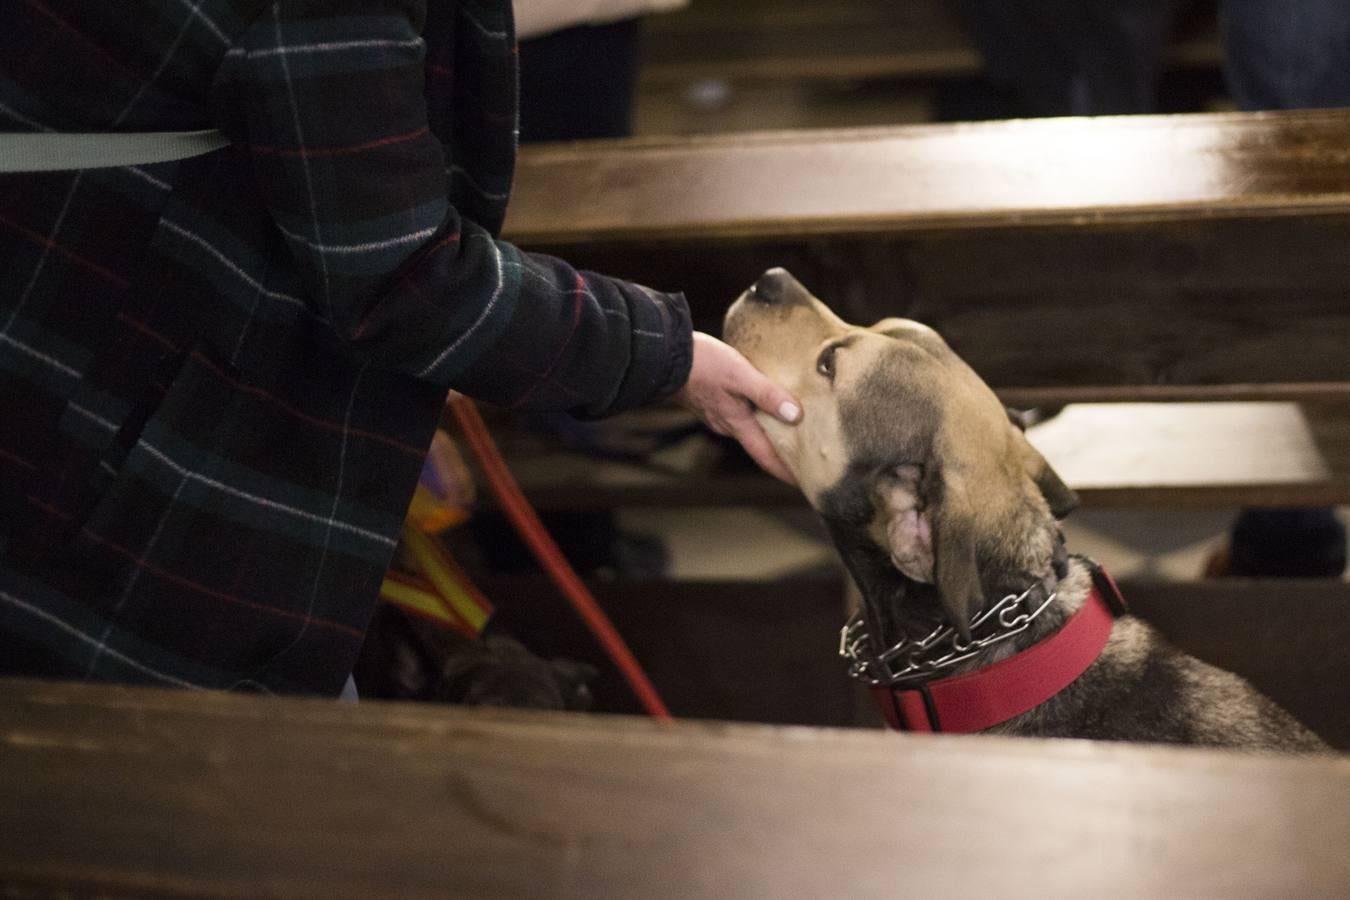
(939, 507)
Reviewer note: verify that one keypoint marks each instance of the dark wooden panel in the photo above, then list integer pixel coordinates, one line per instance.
(1067, 314)
(887, 180)
(1287, 636)
(750, 651)
(118, 792)
(766, 652)
(755, 39)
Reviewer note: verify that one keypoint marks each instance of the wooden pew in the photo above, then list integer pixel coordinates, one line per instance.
(121, 792)
(1192, 258)
(801, 40)
(1097, 172)
(1126, 259)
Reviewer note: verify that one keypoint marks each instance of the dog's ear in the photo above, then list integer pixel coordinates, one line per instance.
(931, 533)
(1057, 494)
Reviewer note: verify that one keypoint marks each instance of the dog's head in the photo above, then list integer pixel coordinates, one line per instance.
(901, 447)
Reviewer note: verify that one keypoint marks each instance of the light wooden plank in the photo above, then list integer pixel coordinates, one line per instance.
(1132, 455)
(133, 792)
(1123, 445)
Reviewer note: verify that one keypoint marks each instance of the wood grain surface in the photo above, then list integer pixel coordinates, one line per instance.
(121, 792)
(1099, 171)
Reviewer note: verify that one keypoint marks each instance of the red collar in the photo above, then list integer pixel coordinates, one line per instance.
(987, 697)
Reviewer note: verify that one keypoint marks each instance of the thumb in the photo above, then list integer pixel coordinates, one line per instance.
(769, 397)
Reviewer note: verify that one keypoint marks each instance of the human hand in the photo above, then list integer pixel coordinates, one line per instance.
(725, 390)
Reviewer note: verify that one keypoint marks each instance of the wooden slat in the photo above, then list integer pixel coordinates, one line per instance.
(1200, 453)
(919, 178)
(1158, 456)
(114, 791)
(778, 40)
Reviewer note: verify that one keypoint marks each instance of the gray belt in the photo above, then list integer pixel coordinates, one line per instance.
(60, 151)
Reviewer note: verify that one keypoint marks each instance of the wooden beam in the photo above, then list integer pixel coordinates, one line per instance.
(1139, 456)
(1071, 172)
(114, 791)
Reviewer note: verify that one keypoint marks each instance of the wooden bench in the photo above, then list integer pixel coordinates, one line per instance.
(779, 40)
(121, 792)
(1130, 259)
(1185, 259)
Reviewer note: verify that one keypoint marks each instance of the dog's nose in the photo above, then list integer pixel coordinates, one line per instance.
(772, 286)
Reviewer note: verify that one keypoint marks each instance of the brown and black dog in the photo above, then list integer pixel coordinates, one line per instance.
(937, 503)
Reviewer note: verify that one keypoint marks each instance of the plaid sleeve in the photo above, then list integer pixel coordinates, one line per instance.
(330, 100)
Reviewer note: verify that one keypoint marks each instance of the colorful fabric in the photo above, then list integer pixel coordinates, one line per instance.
(218, 377)
(439, 590)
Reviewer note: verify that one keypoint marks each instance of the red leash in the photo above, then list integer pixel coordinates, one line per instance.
(559, 570)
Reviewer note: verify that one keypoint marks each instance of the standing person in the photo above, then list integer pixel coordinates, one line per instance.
(1102, 57)
(579, 66)
(219, 376)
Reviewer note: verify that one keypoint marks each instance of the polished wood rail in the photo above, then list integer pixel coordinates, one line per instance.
(1104, 171)
(121, 792)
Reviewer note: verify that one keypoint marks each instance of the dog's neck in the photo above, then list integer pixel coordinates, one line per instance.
(895, 605)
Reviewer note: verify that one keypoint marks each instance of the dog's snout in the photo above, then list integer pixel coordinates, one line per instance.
(772, 287)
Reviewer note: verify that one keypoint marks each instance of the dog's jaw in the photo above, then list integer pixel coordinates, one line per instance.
(895, 603)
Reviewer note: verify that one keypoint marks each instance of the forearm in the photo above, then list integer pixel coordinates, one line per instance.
(330, 101)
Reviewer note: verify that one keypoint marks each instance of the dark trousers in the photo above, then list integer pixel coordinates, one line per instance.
(579, 83)
(1101, 57)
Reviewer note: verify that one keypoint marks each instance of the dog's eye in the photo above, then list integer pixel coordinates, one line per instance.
(825, 362)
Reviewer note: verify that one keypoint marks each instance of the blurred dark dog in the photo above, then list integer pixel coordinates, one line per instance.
(410, 658)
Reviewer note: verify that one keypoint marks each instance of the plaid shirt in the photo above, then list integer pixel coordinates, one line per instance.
(218, 377)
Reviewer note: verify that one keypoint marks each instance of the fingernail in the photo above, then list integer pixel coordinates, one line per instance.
(789, 411)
